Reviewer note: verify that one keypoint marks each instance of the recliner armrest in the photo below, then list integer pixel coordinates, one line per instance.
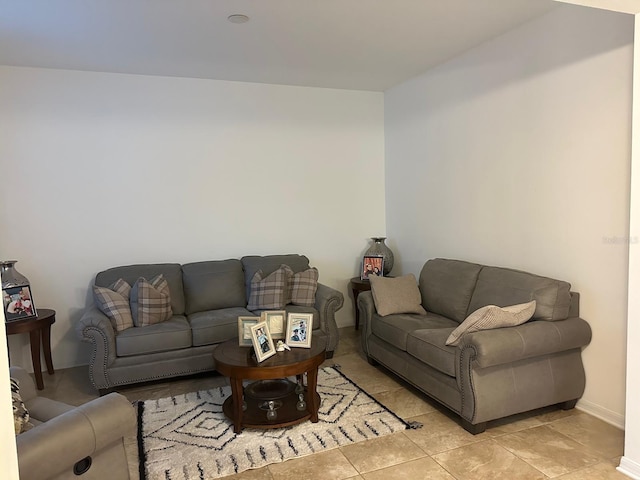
(532, 339)
(54, 446)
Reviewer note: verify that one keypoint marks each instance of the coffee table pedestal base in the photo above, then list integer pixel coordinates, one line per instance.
(256, 417)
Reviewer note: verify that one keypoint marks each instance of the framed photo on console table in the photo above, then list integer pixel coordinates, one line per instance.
(371, 265)
(244, 330)
(276, 321)
(18, 303)
(299, 328)
(262, 342)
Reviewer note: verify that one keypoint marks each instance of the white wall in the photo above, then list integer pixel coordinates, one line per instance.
(630, 463)
(518, 154)
(109, 169)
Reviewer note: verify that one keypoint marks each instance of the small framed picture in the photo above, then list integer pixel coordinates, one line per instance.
(262, 342)
(18, 303)
(299, 328)
(244, 330)
(276, 321)
(371, 265)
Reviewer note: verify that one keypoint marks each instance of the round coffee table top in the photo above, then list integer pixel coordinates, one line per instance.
(233, 360)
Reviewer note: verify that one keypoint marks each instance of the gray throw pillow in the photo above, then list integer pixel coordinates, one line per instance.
(492, 316)
(150, 301)
(113, 301)
(396, 295)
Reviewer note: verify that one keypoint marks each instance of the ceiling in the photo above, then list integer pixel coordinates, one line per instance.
(350, 44)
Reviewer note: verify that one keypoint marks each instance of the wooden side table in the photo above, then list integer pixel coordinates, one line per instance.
(357, 285)
(39, 329)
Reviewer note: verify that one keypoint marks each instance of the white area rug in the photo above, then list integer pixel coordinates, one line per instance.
(188, 437)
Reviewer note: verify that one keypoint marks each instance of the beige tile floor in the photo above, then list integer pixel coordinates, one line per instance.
(548, 443)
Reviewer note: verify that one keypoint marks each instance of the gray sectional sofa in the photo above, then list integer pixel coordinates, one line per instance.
(206, 300)
(491, 373)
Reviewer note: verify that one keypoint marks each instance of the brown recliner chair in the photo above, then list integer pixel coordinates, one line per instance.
(67, 442)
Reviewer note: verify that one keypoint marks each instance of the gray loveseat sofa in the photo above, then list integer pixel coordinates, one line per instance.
(68, 442)
(490, 374)
(206, 300)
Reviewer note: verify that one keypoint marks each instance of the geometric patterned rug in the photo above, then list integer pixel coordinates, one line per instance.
(188, 437)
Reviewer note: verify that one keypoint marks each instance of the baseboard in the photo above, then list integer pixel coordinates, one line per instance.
(613, 418)
(629, 468)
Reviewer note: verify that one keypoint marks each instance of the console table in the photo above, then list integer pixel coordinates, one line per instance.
(39, 330)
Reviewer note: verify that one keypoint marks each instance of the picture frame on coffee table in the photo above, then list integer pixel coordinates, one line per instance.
(371, 265)
(244, 330)
(276, 321)
(299, 329)
(262, 341)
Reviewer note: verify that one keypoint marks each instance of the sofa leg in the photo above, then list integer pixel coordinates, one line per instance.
(569, 404)
(372, 362)
(329, 354)
(473, 429)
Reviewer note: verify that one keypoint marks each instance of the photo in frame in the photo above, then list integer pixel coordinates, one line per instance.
(371, 265)
(299, 328)
(244, 330)
(276, 321)
(18, 303)
(262, 341)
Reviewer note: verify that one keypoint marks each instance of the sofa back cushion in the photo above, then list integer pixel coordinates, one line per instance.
(446, 287)
(130, 274)
(269, 264)
(504, 286)
(213, 285)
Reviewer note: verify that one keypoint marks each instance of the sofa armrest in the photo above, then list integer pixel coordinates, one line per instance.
(532, 339)
(96, 328)
(55, 446)
(328, 302)
(366, 307)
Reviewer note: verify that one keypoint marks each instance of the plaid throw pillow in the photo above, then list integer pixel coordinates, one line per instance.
(150, 301)
(270, 292)
(113, 301)
(303, 287)
(20, 413)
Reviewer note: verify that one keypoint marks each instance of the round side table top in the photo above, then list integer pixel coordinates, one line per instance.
(236, 361)
(45, 316)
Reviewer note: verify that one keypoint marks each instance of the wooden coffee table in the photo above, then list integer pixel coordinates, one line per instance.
(238, 364)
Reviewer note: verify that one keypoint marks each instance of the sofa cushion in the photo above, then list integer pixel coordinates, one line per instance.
(213, 285)
(395, 329)
(172, 334)
(113, 301)
(447, 286)
(172, 272)
(270, 263)
(150, 301)
(492, 316)
(428, 346)
(396, 295)
(504, 286)
(215, 326)
(269, 292)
